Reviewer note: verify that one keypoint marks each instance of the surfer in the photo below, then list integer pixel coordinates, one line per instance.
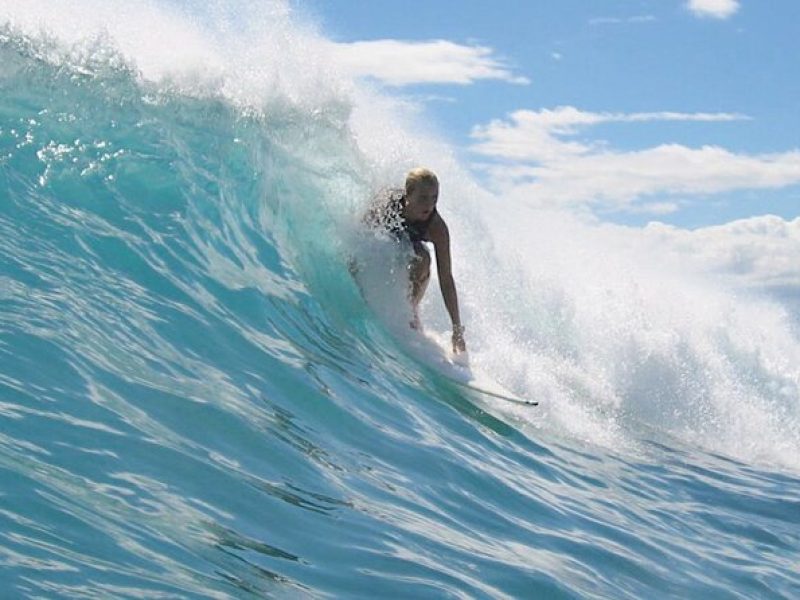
(410, 215)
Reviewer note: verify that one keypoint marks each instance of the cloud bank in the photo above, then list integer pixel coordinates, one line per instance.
(538, 157)
(760, 251)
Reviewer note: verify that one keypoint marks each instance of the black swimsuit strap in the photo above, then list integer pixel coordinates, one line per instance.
(417, 231)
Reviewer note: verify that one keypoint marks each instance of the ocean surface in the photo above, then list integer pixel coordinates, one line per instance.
(197, 401)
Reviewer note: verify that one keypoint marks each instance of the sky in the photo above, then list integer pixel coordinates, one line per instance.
(683, 112)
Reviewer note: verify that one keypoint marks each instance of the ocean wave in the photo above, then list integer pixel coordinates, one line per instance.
(197, 400)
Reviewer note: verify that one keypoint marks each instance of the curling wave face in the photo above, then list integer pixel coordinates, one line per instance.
(197, 401)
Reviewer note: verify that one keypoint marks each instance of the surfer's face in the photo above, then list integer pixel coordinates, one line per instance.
(421, 201)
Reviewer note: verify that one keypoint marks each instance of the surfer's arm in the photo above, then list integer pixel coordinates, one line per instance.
(440, 236)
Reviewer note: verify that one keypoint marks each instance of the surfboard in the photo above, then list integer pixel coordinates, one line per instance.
(457, 369)
(500, 395)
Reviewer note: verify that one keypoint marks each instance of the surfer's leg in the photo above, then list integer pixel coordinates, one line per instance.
(419, 271)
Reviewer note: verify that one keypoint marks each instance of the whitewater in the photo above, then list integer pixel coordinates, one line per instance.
(197, 401)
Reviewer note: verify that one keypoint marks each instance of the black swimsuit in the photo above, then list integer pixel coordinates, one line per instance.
(388, 214)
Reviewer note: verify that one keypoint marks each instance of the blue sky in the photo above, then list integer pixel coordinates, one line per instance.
(680, 111)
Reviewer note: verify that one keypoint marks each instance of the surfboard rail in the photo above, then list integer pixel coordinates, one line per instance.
(500, 396)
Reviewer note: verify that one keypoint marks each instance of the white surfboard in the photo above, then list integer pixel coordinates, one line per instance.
(457, 369)
(493, 389)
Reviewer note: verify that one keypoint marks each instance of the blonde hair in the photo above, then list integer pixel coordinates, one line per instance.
(420, 175)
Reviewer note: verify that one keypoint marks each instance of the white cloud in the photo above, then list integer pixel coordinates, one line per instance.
(538, 159)
(535, 135)
(399, 63)
(617, 179)
(716, 9)
(622, 20)
(760, 251)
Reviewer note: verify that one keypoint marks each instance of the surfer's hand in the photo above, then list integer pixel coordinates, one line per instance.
(459, 345)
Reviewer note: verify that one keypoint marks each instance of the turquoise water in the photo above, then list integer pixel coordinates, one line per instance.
(197, 402)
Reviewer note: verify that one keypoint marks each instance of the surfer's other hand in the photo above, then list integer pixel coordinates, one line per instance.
(459, 345)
